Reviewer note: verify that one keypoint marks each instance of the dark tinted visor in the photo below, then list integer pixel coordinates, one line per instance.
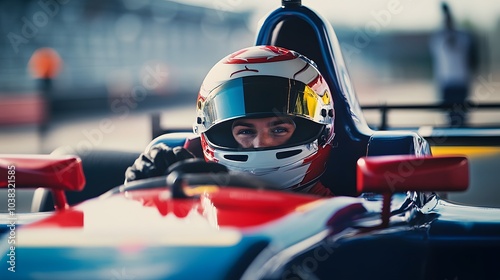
(306, 131)
(259, 96)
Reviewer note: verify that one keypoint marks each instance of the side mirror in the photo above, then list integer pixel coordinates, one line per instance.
(389, 174)
(58, 173)
(400, 173)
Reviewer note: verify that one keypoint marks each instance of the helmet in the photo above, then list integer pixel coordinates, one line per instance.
(261, 82)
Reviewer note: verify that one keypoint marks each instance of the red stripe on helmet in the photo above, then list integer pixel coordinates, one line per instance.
(261, 55)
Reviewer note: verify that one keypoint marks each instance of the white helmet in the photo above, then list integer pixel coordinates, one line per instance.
(268, 81)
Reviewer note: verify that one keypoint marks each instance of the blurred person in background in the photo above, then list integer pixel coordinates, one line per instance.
(454, 61)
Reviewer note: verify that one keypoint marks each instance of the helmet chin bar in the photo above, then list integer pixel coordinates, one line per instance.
(284, 167)
(285, 177)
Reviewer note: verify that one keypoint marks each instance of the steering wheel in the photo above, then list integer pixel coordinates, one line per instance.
(197, 171)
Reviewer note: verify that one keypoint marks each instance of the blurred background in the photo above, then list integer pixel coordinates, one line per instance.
(89, 74)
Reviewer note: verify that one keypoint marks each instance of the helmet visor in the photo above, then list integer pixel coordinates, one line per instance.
(259, 96)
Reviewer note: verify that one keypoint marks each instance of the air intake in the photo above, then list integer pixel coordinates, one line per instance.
(287, 154)
(241, 158)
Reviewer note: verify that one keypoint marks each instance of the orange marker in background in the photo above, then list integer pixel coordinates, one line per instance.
(44, 65)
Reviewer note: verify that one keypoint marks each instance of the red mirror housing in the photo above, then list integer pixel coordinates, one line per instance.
(389, 174)
(58, 173)
(400, 173)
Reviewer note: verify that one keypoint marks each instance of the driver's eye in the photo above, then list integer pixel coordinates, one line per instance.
(245, 132)
(279, 130)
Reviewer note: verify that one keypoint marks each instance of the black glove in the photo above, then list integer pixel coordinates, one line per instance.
(155, 162)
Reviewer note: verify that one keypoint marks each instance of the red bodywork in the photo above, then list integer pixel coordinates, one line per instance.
(232, 207)
(219, 206)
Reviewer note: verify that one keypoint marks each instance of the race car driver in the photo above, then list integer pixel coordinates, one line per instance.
(264, 110)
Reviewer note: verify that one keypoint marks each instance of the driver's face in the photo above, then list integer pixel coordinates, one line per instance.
(263, 132)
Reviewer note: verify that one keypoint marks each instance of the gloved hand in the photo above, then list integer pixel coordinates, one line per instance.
(155, 162)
